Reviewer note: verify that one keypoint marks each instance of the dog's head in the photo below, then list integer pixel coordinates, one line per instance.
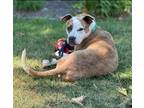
(78, 27)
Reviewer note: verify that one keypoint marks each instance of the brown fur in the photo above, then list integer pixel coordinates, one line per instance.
(95, 56)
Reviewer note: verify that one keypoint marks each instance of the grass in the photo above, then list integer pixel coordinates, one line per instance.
(28, 5)
(101, 92)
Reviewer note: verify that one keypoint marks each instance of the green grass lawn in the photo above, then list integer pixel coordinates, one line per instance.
(101, 92)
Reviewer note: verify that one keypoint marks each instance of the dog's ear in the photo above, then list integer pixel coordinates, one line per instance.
(66, 17)
(88, 19)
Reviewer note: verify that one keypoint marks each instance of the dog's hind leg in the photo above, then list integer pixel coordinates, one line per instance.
(69, 76)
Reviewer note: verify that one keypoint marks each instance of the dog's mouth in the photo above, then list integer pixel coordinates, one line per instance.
(71, 43)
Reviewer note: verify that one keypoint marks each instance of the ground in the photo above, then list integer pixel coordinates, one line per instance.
(36, 35)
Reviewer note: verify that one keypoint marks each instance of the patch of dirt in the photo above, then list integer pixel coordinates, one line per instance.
(53, 9)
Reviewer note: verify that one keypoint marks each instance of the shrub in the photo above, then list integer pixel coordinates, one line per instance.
(28, 5)
(105, 7)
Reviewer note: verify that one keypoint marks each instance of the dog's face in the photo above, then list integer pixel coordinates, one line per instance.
(78, 27)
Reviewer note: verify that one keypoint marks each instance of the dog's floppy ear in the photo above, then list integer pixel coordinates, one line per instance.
(88, 19)
(66, 17)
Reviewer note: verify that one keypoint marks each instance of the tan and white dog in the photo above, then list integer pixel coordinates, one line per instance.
(95, 53)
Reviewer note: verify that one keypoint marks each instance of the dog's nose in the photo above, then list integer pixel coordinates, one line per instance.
(72, 39)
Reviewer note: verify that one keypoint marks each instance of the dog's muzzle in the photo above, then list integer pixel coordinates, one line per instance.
(71, 40)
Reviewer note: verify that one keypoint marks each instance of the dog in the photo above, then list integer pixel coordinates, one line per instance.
(94, 54)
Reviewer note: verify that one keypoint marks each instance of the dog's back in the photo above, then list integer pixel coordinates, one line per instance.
(96, 55)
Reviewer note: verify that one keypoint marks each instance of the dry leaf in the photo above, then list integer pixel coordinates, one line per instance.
(123, 91)
(78, 100)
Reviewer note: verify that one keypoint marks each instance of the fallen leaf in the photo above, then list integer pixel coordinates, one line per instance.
(78, 100)
(123, 91)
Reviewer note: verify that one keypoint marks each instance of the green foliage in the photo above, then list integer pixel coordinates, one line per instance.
(79, 5)
(28, 5)
(105, 7)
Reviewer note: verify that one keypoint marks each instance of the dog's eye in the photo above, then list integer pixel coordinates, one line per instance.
(69, 28)
(80, 29)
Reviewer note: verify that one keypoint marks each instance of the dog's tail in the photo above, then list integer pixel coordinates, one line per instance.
(34, 73)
